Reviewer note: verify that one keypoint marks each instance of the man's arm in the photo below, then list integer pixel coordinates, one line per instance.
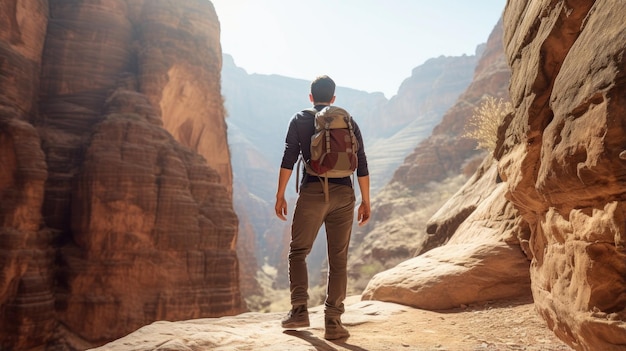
(290, 157)
(364, 209)
(281, 204)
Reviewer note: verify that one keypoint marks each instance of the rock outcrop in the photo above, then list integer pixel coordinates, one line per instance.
(115, 181)
(481, 260)
(563, 160)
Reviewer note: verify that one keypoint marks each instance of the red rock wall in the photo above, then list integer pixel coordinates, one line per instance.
(115, 182)
(563, 158)
(27, 316)
(177, 47)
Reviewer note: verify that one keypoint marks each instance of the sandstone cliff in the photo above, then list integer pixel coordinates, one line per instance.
(27, 311)
(115, 178)
(563, 160)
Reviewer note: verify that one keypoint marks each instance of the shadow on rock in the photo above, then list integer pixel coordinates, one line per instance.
(320, 344)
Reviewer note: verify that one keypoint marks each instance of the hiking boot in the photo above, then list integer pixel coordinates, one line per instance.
(334, 329)
(298, 317)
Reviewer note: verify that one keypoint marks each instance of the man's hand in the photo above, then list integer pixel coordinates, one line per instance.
(281, 204)
(363, 213)
(281, 208)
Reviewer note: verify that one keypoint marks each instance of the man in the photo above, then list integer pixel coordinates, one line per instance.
(313, 209)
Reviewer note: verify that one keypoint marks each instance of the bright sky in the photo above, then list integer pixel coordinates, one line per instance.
(370, 45)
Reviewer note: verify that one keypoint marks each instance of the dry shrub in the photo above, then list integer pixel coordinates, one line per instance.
(484, 123)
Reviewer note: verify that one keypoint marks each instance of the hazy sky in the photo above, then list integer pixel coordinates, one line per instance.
(370, 45)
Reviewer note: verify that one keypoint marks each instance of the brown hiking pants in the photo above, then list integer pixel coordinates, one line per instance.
(337, 215)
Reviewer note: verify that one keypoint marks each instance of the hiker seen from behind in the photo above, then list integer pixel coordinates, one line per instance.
(328, 142)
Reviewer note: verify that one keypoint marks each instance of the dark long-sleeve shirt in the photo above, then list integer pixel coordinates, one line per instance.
(298, 141)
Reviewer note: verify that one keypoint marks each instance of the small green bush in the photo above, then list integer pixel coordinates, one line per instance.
(484, 123)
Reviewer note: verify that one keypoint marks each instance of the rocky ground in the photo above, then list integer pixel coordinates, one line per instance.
(374, 325)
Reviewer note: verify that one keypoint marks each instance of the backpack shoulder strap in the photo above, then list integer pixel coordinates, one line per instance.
(312, 111)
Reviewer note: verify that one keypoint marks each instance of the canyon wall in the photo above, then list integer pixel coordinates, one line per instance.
(27, 257)
(564, 161)
(115, 178)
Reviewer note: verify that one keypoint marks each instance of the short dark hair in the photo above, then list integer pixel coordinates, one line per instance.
(323, 89)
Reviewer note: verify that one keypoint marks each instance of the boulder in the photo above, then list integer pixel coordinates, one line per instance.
(478, 257)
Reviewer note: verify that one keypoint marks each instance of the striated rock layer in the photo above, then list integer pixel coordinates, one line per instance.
(115, 180)
(563, 160)
(27, 315)
(26, 248)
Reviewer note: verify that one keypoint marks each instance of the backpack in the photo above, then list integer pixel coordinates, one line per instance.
(333, 146)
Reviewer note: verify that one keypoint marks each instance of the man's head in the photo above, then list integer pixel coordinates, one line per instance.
(322, 90)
